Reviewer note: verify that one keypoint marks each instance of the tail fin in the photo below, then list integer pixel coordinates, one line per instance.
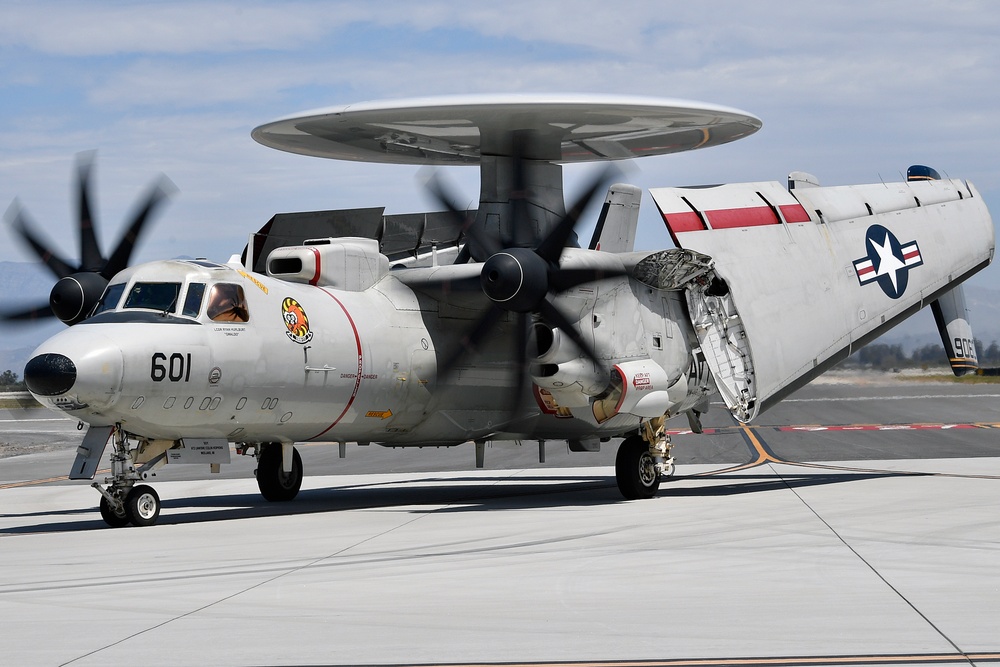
(616, 225)
(956, 333)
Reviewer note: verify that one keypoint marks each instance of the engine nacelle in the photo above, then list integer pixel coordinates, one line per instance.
(644, 386)
(351, 264)
(572, 383)
(559, 368)
(641, 388)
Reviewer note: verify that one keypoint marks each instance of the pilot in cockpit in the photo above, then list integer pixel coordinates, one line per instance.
(227, 303)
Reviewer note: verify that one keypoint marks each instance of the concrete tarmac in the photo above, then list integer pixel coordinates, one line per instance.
(853, 524)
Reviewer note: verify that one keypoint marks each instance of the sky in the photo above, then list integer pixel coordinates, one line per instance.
(852, 92)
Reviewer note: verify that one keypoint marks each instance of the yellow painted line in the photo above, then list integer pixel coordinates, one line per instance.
(33, 482)
(762, 455)
(36, 482)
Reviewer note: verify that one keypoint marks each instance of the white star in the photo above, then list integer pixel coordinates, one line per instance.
(888, 263)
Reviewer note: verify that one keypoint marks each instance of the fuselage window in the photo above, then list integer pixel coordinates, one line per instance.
(109, 301)
(192, 302)
(154, 296)
(227, 303)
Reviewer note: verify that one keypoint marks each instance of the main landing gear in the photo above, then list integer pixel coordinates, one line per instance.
(279, 472)
(642, 460)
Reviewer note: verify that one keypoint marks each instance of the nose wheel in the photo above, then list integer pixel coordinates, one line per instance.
(113, 514)
(142, 506)
(138, 506)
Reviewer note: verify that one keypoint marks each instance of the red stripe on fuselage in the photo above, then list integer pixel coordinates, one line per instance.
(357, 380)
(319, 267)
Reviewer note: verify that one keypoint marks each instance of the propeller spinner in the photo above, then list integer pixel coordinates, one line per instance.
(79, 287)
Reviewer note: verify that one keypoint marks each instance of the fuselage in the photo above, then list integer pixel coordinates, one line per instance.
(292, 362)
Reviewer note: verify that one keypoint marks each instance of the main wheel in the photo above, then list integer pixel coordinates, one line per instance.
(275, 484)
(635, 469)
(110, 517)
(142, 506)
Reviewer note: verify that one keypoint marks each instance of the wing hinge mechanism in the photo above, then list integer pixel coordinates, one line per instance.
(723, 340)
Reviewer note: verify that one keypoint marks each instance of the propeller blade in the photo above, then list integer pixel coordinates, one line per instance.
(19, 222)
(552, 245)
(523, 356)
(459, 217)
(122, 253)
(566, 279)
(555, 317)
(90, 252)
(29, 315)
(469, 342)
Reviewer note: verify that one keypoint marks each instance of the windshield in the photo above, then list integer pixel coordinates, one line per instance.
(154, 296)
(111, 297)
(192, 302)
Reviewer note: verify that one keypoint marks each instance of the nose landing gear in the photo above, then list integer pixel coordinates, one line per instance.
(123, 502)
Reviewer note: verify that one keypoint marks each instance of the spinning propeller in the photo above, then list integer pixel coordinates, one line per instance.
(79, 287)
(521, 274)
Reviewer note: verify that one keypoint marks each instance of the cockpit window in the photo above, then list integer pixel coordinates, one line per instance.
(227, 303)
(112, 295)
(192, 302)
(154, 296)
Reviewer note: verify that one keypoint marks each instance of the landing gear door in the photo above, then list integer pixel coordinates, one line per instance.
(88, 455)
(724, 344)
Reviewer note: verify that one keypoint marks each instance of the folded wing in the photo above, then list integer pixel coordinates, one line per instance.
(805, 277)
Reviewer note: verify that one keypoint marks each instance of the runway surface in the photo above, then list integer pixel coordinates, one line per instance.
(854, 524)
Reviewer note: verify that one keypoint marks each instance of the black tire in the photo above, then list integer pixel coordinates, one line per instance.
(110, 517)
(274, 483)
(635, 469)
(142, 506)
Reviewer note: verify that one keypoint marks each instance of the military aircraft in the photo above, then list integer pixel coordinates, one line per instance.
(492, 324)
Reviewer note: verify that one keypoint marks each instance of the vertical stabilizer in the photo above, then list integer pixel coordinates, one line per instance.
(619, 217)
(953, 323)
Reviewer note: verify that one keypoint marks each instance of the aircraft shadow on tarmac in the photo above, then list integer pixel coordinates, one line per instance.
(445, 494)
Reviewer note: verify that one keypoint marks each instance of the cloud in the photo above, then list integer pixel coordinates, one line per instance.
(849, 90)
(102, 29)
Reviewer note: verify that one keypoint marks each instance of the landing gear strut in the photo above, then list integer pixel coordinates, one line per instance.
(642, 460)
(122, 502)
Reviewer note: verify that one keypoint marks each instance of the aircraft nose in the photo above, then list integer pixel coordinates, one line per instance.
(50, 374)
(79, 368)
